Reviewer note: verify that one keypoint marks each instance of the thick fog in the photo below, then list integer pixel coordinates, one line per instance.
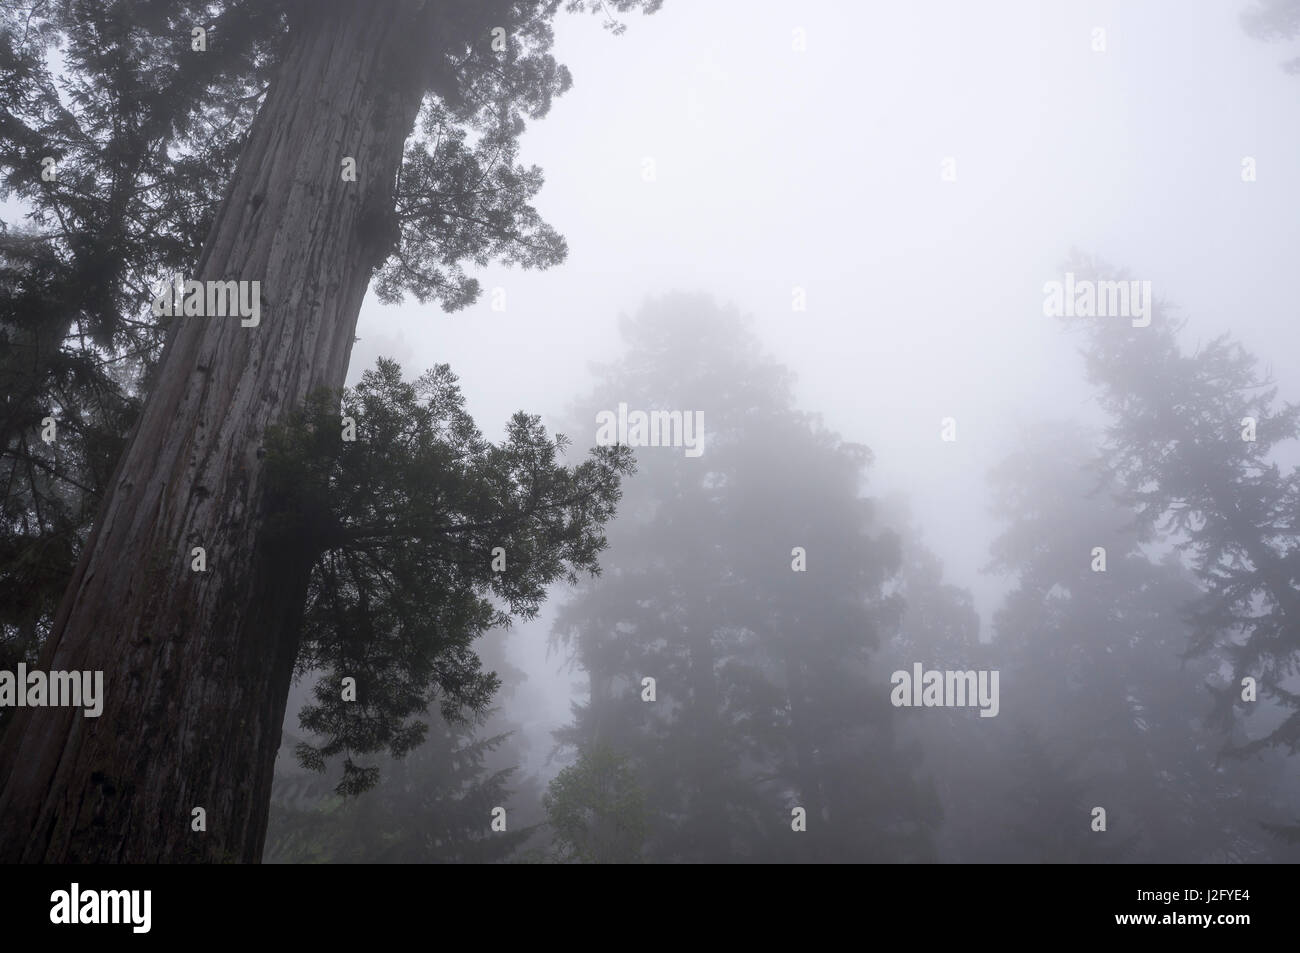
(804, 147)
(962, 533)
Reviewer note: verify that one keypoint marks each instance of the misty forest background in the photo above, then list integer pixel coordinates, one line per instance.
(1119, 688)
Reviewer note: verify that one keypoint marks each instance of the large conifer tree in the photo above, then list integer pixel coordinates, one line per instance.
(197, 665)
(767, 698)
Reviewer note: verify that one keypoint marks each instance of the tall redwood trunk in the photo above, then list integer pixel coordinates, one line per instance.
(197, 666)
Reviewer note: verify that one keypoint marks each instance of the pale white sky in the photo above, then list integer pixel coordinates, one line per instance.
(821, 168)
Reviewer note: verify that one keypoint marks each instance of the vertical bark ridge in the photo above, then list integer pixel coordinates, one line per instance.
(197, 666)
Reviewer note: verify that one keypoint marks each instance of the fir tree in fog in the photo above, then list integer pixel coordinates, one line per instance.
(749, 583)
(1093, 640)
(860, 452)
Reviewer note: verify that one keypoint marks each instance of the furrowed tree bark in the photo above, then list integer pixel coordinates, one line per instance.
(197, 666)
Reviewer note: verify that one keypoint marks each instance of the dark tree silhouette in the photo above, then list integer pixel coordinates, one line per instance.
(197, 666)
(1108, 711)
(1193, 447)
(767, 698)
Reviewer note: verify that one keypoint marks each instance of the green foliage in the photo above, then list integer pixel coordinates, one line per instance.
(462, 197)
(146, 134)
(433, 806)
(402, 524)
(144, 139)
(596, 810)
